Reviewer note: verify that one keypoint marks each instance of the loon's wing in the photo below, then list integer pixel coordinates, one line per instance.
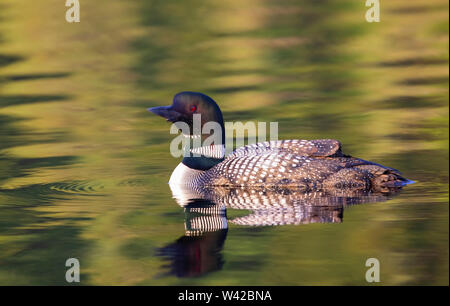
(307, 164)
(316, 148)
(281, 162)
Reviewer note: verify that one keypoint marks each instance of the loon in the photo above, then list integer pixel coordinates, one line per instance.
(302, 164)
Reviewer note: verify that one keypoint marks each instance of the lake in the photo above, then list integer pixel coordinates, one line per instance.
(84, 167)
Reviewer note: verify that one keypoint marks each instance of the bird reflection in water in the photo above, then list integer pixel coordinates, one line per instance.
(199, 251)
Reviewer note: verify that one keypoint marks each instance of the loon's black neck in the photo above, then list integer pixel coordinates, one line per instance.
(202, 162)
(205, 157)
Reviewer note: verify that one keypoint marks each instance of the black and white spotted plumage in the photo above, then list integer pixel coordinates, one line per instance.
(306, 164)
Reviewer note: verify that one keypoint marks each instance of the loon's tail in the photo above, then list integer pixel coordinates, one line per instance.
(389, 179)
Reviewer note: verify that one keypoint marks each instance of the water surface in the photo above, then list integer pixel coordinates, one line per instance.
(84, 167)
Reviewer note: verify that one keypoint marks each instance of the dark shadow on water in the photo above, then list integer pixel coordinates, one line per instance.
(11, 167)
(9, 59)
(425, 81)
(417, 9)
(34, 76)
(409, 102)
(26, 99)
(418, 61)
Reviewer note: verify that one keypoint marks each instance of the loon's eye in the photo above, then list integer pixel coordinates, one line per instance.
(193, 108)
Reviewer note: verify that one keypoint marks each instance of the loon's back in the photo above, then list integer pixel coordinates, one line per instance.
(305, 164)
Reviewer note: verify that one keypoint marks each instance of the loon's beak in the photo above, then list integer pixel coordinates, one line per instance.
(166, 112)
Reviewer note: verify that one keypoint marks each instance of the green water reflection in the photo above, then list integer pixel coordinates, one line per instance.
(84, 167)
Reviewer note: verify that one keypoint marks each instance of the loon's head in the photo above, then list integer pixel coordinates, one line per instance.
(185, 104)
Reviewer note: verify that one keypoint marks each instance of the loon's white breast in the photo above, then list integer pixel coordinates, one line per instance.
(183, 175)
